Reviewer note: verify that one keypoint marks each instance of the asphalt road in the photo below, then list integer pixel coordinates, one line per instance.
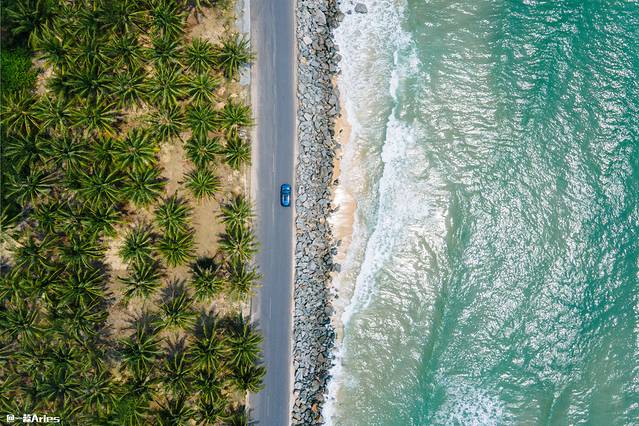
(273, 98)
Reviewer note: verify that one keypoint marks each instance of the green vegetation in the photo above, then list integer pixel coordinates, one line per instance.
(89, 234)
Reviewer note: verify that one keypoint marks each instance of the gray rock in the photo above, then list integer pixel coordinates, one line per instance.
(361, 8)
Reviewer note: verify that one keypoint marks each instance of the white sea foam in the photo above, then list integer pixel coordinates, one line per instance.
(366, 43)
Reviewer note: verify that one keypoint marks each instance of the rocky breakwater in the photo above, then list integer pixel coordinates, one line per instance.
(318, 106)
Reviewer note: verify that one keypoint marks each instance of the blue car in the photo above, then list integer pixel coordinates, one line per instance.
(285, 195)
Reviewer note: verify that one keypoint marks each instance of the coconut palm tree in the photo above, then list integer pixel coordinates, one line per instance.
(199, 56)
(97, 391)
(167, 86)
(202, 150)
(81, 322)
(54, 113)
(100, 116)
(30, 16)
(122, 17)
(126, 51)
(238, 244)
(201, 119)
(25, 151)
(101, 220)
(211, 413)
(21, 322)
(233, 116)
(237, 152)
(84, 287)
(140, 351)
(101, 187)
(208, 349)
(237, 213)
(207, 279)
(172, 215)
(166, 51)
(177, 248)
(143, 280)
(53, 48)
(175, 412)
(143, 186)
(176, 373)
(19, 114)
(248, 378)
(137, 151)
(244, 344)
(167, 18)
(61, 386)
(138, 245)
(177, 310)
(202, 183)
(209, 387)
(234, 53)
(129, 87)
(34, 256)
(90, 52)
(167, 122)
(89, 81)
(28, 189)
(104, 150)
(80, 251)
(70, 155)
(201, 88)
(47, 216)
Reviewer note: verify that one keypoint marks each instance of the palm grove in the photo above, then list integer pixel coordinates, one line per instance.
(76, 170)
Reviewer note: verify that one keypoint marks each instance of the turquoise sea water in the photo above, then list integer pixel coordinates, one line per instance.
(494, 271)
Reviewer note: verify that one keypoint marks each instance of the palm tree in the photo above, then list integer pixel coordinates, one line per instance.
(47, 216)
(237, 213)
(97, 391)
(234, 53)
(101, 220)
(71, 155)
(172, 215)
(126, 51)
(177, 310)
(242, 279)
(167, 122)
(144, 186)
(61, 386)
(19, 114)
(143, 280)
(54, 114)
(209, 386)
(34, 256)
(90, 52)
(25, 151)
(201, 120)
(104, 149)
(122, 17)
(82, 322)
(28, 189)
(80, 251)
(175, 412)
(176, 373)
(166, 51)
(167, 86)
(202, 150)
(200, 56)
(30, 16)
(129, 87)
(140, 351)
(244, 344)
(203, 183)
(20, 321)
(167, 18)
(53, 48)
(211, 413)
(238, 244)
(238, 417)
(138, 245)
(85, 286)
(89, 82)
(207, 279)
(137, 151)
(100, 187)
(248, 378)
(235, 115)
(208, 349)
(100, 116)
(177, 248)
(237, 152)
(201, 89)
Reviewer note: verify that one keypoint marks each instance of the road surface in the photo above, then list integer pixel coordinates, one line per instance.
(273, 97)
